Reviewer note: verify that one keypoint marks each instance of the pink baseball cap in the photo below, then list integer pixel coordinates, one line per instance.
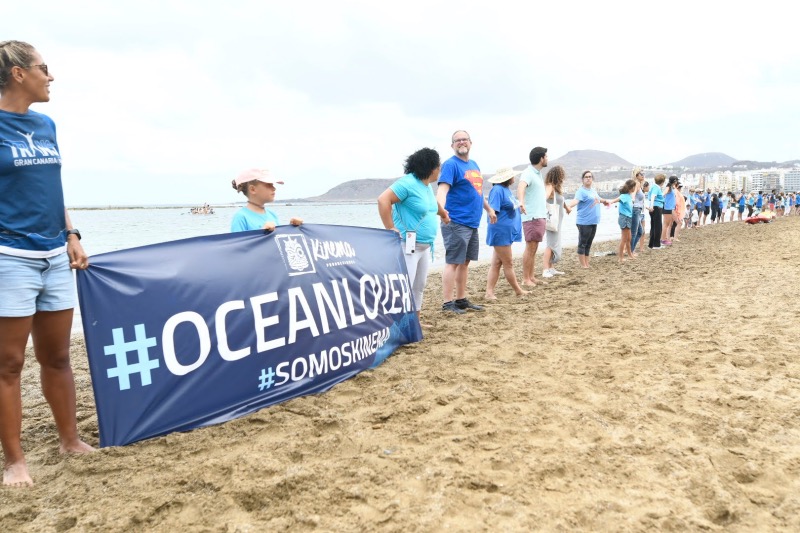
(260, 174)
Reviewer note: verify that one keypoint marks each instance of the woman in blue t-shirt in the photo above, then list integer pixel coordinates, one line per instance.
(38, 249)
(588, 202)
(505, 230)
(409, 207)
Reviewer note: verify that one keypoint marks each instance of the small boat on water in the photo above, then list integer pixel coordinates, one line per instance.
(204, 210)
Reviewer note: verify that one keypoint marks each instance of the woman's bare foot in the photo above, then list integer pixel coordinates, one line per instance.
(523, 293)
(16, 475)
(489, 296)
(76, 447)
(530, 282)
(634, 255)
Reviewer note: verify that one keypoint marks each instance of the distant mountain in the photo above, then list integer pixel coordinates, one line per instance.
(604, 165)
(755, 165)
(354, 191)
(590, 159)
(708, 160)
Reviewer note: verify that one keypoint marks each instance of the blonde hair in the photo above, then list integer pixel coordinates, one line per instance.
(13, 54)
(637, 170)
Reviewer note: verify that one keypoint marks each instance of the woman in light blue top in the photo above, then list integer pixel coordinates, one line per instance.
(409, 207)
(588, 202)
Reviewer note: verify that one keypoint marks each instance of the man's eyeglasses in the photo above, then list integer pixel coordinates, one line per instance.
(41, 67)
(465, 140)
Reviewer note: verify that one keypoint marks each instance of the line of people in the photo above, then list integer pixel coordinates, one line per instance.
(534, 211)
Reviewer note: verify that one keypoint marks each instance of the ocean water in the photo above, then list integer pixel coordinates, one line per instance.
(107, 230)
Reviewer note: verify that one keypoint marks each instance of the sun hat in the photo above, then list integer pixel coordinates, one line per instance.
(260, 174)
(504, 174)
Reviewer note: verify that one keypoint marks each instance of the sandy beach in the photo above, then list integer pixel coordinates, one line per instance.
(659, 395)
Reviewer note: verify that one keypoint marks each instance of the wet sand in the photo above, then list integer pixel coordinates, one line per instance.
(663, 394)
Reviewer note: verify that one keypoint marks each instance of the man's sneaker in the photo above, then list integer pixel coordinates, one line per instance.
(451, 307)
(463, 304)
(554, 271)
(548, 273)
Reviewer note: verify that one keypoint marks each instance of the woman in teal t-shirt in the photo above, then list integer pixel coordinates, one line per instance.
(409, 207)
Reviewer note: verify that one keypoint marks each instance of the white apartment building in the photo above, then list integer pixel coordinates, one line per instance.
(791, 180)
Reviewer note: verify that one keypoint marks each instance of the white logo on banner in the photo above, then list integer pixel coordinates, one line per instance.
(296, 254)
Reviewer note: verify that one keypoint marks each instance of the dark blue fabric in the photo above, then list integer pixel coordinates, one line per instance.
(199, 331)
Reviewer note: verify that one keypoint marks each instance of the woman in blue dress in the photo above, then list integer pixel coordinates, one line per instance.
(506, 230)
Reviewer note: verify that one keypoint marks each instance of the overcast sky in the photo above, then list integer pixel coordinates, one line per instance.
(161, 102)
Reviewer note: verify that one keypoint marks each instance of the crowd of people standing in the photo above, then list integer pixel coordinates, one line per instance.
(534, 211)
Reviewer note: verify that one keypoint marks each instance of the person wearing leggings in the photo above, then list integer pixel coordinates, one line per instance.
(656, 196)
(588, 202)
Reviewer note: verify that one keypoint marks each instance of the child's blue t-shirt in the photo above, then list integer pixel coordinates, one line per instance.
(246, 220)
(626, 205)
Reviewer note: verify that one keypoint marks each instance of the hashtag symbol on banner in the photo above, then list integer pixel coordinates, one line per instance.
(120, 350)
(265, 380)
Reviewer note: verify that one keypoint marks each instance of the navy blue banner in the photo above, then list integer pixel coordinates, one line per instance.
(195, 332)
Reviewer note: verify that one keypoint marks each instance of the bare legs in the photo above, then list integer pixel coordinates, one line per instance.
(624, 245)
(13, 337)
(502, 257)
(529, 263)
(666, 224)
(51, 335)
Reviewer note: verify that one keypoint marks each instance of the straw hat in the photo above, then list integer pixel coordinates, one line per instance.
(504, 174)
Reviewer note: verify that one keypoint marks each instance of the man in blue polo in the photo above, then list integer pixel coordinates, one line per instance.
(461, 193)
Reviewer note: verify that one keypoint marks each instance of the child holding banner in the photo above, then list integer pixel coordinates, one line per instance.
(258, 186)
